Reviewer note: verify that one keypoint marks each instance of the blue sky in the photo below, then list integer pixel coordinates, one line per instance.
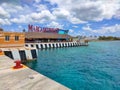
(81, 17)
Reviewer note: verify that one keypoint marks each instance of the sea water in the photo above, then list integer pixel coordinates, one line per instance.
(92, 67)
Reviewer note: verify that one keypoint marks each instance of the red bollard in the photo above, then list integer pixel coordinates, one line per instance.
(18, 64)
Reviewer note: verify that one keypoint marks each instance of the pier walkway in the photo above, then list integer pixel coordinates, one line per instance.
(24, 79)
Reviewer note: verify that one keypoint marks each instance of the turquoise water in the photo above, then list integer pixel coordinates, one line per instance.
(93, 67)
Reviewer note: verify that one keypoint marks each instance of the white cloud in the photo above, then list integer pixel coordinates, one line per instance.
(64, 14)
(76, 33)
(54, 24)
(40, 17)
(40, 7)
(12, 13)
(21, 19)
(4, 22)
(87, 28)
(75, 20)
(45, 14)
(71, 31)
(104, 30)
(3, 13)
(61, 13)
(117, 14)
(10, 1)
(19, 26)
(37, 1)
(88, 10)
(75, 26)
(109, 29)
(11, 8)
(73, 11)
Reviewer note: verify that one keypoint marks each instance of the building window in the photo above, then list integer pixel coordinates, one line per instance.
(31, 45)
(16, 38)
(7, 38)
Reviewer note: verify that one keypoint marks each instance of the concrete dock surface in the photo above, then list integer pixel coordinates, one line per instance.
(24, 79)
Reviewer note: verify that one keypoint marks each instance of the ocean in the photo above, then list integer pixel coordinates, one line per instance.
(92, 67)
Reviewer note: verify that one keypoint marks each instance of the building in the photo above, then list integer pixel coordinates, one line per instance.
(12, 44)
(38, 34)
(11, 39)
(38, 37)
(43, 37)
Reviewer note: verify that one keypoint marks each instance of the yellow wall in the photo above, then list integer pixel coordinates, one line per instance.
(12, 42)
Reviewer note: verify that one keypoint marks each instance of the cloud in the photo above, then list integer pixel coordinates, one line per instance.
(10, 1)
(75, 26)
(54, 24)
(21, 19)
(16, 9)
(88, 10)
(37, 1)
(87, 28)
(103, 30)
(34, 17)
(29, 16)
(43, 15)
(61, 13)
(75, 20)
(4, 22)
(40, 7)
(76, 33)
(70, 13)
(74, 11)
(3, 13)
(71, 31)
(11, 13)
(20, 27)
(117, 14)
(109, 29)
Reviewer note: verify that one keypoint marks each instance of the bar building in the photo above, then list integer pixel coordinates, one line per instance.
(42, 37)
(43, 34)
(38, 37)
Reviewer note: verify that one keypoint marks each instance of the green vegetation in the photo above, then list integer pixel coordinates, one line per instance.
(108, 38)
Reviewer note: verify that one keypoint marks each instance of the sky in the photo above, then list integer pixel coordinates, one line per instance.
(80, 17)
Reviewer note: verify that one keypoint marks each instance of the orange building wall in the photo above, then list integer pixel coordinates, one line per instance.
(12, 42)
(1, 52)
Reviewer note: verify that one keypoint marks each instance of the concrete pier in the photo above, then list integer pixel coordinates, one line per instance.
(24, 79)
(55, 44)
(21, 53)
